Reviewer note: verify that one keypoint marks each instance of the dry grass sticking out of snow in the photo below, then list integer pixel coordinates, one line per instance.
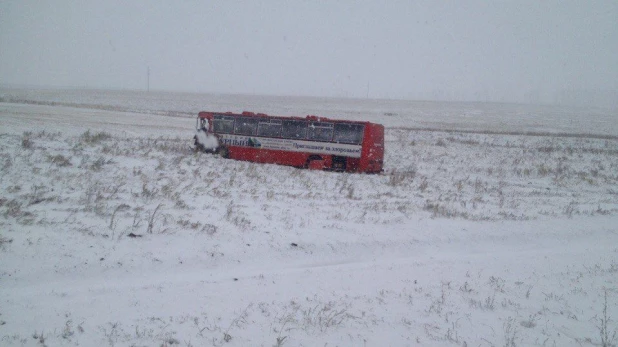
(466, 239)
(487, 177)
(130, 182)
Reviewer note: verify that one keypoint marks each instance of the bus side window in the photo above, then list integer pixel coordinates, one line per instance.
(245, 126)
(294, 129)
(319, 131)
(269, 129)
(349, 133)
(223, 124)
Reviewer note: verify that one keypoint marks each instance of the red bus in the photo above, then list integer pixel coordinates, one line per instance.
(310, 142)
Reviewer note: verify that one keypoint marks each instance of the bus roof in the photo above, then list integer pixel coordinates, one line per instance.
(207, 114)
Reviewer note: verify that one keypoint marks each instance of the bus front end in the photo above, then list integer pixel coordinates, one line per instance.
(205, 140)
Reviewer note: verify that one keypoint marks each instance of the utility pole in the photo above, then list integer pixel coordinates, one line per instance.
(148, 79)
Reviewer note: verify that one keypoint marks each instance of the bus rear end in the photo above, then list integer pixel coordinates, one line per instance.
(372, 159)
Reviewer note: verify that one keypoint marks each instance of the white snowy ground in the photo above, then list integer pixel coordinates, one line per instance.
(468, 239)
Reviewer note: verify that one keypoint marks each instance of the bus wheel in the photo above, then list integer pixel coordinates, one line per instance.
(339, 163)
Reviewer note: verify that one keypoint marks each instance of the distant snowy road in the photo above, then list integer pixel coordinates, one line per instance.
(18, 118)
(475, 116)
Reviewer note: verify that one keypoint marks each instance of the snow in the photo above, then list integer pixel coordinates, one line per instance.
(208, 141)
(114, 232)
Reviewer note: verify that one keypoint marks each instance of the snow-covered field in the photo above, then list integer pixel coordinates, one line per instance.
(493, 225)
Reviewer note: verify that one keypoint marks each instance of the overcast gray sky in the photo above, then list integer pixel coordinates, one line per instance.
(466, 49)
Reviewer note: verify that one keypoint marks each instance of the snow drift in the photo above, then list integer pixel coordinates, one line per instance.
(207, 140)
